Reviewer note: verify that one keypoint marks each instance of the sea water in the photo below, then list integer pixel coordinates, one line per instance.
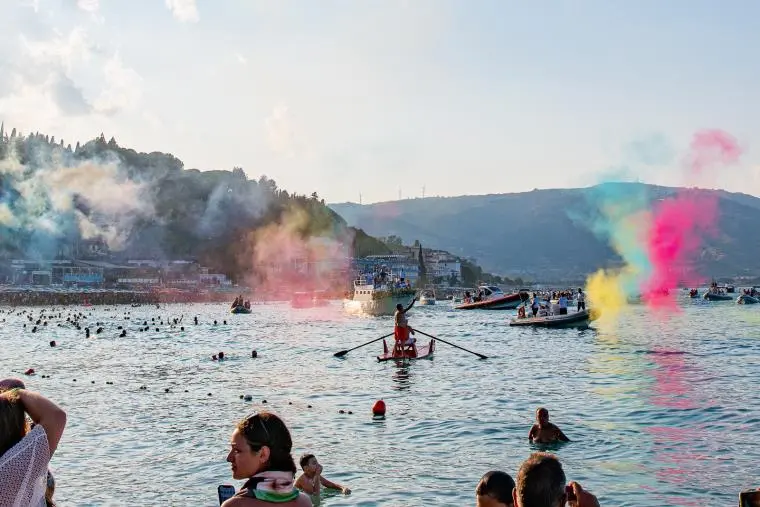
(660, 411)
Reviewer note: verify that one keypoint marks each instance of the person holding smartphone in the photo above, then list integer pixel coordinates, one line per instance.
(25, 453)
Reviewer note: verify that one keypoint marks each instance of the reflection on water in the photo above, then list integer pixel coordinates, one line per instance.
(402, 376)
(659, 412)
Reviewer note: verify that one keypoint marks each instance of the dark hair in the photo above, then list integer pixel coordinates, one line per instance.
(540, 481)
(305, 460)
(399, 306)
(497, 485)
(13, 424)
(266, 429)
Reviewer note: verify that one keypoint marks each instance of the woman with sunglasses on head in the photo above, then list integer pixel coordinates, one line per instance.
(261, 454)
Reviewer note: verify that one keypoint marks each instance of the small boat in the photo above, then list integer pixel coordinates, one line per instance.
(746, 299)
(240, 309)
(427, 297)
(419, 352)
(574, 319)
(494, 299)
(717, 296)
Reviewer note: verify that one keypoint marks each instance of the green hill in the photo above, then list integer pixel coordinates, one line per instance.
(54, 198)
(549, 234)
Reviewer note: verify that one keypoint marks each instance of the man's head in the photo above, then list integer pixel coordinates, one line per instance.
(542, 416)
(399, 307)
(309, 464)
(540, 482)
(495, 490)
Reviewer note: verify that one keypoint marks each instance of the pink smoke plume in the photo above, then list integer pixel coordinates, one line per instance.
(680, 222)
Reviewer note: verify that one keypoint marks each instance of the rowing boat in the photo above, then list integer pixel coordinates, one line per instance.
(240, 309)
(419, 352)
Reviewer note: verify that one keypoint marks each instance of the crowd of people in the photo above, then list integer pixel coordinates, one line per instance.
(261, 455)
(19, 297)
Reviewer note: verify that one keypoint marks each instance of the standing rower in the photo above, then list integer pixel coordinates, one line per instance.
(401, 330)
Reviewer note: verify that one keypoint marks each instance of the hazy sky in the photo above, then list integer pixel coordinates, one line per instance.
(369, 96)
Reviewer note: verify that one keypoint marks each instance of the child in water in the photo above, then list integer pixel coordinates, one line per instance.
(310, 481)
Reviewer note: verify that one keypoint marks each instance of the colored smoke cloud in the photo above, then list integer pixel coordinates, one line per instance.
(288, 256)
(50, 198)
(659, 243)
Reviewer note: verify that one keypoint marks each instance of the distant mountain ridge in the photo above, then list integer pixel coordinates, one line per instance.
(544, 235)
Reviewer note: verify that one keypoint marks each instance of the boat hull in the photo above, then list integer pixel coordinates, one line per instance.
(377, 307)
(423, 352)
(507, 302)
(240, 309)
(746, 299)
(573, 320)
(717, 297)
(426, 302)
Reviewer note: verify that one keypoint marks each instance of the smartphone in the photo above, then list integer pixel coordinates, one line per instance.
(225, 492)
(749, 498)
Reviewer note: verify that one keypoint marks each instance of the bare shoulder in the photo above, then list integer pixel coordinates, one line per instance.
(237, 501)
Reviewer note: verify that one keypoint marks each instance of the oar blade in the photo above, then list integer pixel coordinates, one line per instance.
(341, 353)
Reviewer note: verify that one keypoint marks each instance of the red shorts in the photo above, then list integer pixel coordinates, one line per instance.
(401, 334)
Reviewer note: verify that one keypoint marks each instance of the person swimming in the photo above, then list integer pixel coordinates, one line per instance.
(311, 480)
(543, 431)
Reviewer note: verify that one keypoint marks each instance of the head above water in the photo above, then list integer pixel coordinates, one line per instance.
(542, 416)
(495, 490)
(309, 464)
(13, 425)
(540, 482)
(260, 443)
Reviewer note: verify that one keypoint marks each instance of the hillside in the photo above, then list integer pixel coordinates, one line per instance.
(101, 200)
(547, 234)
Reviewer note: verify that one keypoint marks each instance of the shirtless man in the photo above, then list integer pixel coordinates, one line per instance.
(543, 431)
(401, 329)
(311, 479)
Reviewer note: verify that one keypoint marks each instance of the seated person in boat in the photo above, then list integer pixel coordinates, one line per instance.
(495, 490)
(544, 432)
(401, 329)
(543, 310)
(467, 297)
(311, 479)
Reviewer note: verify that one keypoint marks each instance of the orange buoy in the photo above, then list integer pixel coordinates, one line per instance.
(378, 408)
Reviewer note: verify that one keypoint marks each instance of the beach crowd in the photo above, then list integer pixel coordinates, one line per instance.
(260, 454)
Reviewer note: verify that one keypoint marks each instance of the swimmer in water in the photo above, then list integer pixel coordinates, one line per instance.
(544, 432)
(311, 480)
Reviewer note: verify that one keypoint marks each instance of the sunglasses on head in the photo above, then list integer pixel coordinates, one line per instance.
(261, 421)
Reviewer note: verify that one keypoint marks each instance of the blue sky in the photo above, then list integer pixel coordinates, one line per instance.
(349, 97)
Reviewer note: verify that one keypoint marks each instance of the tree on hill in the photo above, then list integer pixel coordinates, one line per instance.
(422, 276)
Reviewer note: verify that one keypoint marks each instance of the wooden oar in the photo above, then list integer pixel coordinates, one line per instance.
(344, 352)
(447, 343)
